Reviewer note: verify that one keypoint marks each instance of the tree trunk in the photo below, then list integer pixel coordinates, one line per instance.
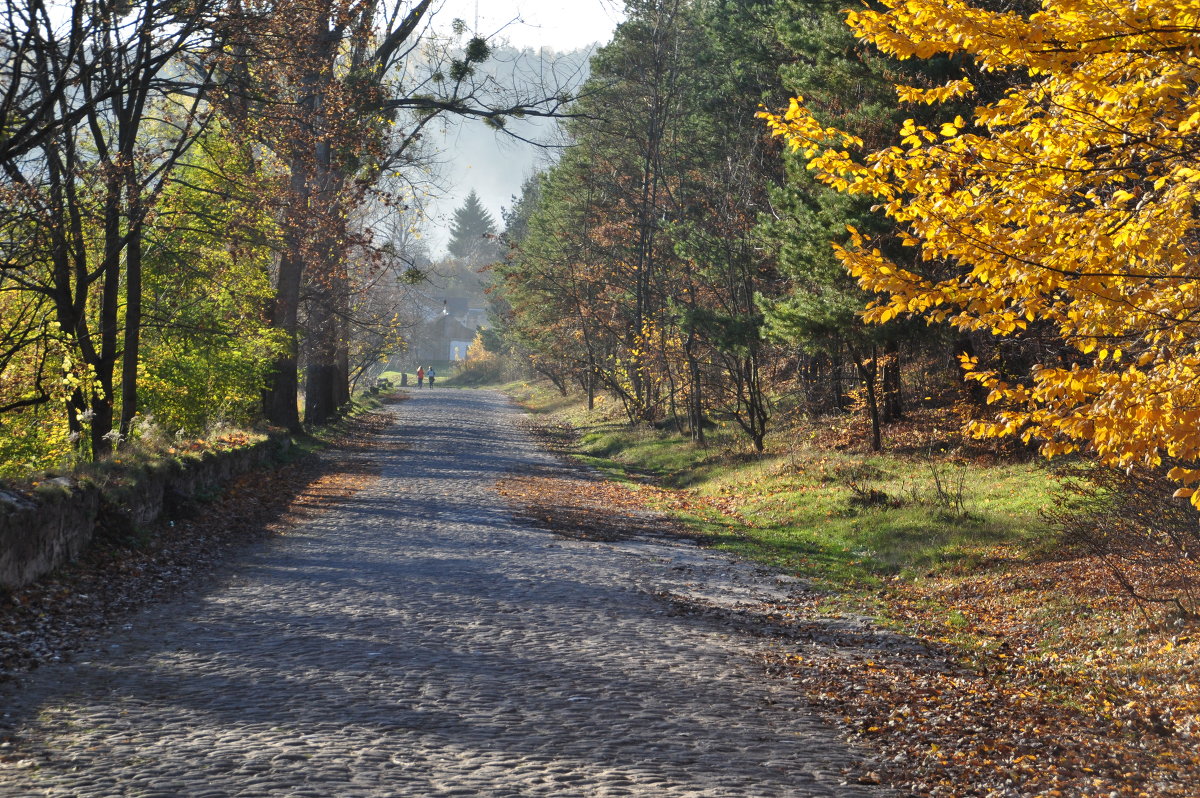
(835, 376)
(320, 393)
(965, 346)
(110, 295)
(757, 409)
(281, 398)
(695, 396)
(866, 373)
(341, 377)
(133, 327)
(327, 378)
(320, 404)
(893, 405)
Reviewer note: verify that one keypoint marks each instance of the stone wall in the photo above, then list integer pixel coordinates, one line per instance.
(42, 529)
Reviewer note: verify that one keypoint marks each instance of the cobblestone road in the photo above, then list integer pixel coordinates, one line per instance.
(416, 641)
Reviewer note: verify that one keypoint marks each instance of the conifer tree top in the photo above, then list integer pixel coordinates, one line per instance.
(471, 228)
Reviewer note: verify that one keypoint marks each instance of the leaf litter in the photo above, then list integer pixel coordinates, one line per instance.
(1022, 677)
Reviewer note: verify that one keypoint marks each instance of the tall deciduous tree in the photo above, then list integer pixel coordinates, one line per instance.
(98, 110)
(1070, 199)
(349, 89)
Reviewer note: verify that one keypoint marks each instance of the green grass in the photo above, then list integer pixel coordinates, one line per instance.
(878, 516)
(841, 518)
(542, 399)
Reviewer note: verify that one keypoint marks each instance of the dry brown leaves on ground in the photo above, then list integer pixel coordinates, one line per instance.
(1026, 686)
(1027, 679)
(45, 621)
(576, 502)
(1053, 691)
(575, 506)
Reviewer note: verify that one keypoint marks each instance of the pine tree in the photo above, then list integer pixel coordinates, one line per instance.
(472, 236)
(847, 83)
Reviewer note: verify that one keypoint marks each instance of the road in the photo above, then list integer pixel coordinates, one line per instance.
(416, 640)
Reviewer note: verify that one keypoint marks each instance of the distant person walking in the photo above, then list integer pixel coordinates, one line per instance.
(432, 376)
(420, 376)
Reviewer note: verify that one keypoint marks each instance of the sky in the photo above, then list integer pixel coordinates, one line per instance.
(561, 24)
(495, 166)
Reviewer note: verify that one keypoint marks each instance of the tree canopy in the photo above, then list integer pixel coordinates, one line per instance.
(1071, 199)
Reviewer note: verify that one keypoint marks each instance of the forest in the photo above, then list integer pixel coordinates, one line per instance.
(1001, 194)
(975, 217)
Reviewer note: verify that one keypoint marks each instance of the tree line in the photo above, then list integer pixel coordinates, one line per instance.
(207, 211)
(781, 196)
(208, 208)
(674, 259)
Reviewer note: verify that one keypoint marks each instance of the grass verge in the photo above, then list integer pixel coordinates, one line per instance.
(847, 519)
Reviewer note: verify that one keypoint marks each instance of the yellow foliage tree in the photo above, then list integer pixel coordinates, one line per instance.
(1070, 199)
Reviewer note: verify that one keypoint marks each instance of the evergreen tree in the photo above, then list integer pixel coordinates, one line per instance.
(637, 271)
(722, 265)
(847, 81)
(472, 236)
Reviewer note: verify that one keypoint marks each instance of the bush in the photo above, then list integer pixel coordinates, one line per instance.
(484, 367)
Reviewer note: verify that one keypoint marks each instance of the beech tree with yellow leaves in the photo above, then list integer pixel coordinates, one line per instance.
(1070, 199)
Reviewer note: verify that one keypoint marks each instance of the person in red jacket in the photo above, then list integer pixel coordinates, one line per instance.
(420, 376)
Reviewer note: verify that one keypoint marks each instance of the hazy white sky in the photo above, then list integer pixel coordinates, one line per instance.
(561, 24)
(495, 166)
